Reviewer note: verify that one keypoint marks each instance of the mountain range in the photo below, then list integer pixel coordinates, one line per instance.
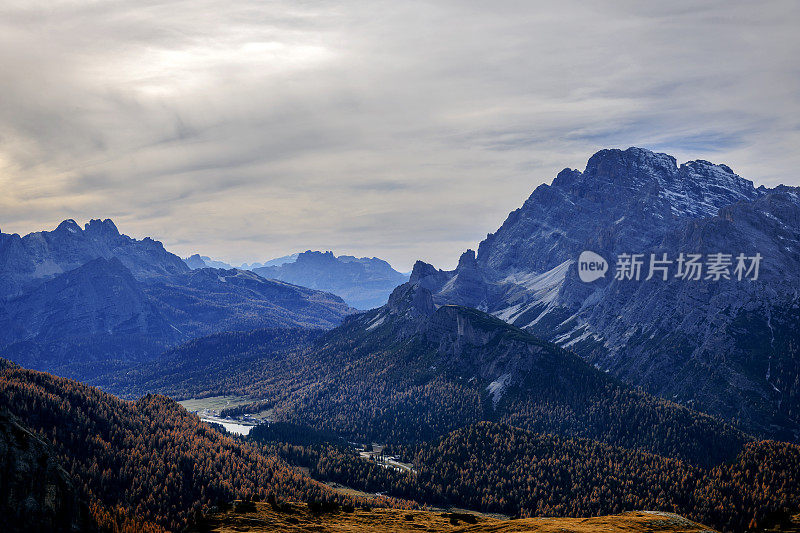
(76, 300)
(727, 347)
(28, 261)
(202, 261)
(278, 261)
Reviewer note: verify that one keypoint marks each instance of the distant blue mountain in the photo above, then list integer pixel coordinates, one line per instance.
(278, 261)
(364, 283)
(203, 261)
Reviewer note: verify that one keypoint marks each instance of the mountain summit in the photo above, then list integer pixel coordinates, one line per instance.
(624, 199)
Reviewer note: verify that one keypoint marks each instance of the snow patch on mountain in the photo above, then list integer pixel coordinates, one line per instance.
(540, 289)
(497, 387)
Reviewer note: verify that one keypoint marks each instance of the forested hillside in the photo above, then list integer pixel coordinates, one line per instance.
(502, 469)
(147, 465)
(206, 366)
(36, 494)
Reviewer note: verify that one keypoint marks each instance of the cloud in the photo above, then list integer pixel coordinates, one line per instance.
(250, 129)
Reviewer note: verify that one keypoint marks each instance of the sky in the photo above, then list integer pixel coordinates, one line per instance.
(247, 130)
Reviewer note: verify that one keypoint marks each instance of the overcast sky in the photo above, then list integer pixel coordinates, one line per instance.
(402, 129)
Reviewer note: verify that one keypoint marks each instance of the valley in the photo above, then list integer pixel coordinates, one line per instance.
(208, 410)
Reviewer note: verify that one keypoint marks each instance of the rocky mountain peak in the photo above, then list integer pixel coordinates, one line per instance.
(311, 256)
(566, 178)
(631, 163)
(195, 262)
(68, 225)
(26, 262)
(364, 283)
(695, 188)
(428, 276)
(101, 228)
(421, 270)
(467, 261)
(623, 200)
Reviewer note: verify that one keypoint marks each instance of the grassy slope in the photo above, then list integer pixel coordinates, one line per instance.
(298, 518)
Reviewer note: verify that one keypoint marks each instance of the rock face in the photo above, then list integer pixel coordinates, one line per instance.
(466, 341)
(727, 347)
(623, 200)
(364, 283)
(36, 493)
(95, 312)
(76, 300)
